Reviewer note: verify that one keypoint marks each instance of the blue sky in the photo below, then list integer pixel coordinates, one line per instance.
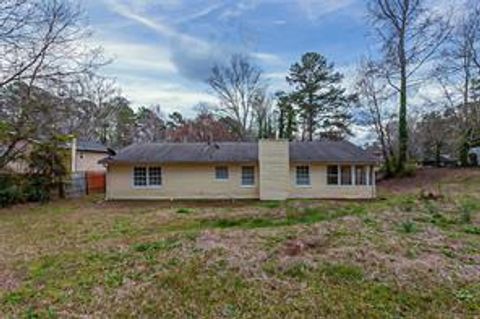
(163, 50)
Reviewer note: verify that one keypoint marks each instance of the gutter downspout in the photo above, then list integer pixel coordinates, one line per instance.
(74, 155)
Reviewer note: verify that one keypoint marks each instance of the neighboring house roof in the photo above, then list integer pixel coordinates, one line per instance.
(237, 152)
(92, 146)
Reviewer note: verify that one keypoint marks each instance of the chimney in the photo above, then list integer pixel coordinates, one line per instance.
(274, 167)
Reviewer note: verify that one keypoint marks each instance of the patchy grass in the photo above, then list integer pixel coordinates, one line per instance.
(184, 211)
(400, 256)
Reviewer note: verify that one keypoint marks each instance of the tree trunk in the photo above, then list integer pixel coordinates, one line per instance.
(402, 113)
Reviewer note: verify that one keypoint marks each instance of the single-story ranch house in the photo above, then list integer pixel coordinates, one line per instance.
(267, 170)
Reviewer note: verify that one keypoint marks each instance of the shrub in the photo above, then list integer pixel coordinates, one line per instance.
(37, 189)
(11, 195)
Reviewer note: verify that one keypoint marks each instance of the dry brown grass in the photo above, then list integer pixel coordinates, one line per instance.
(401, 256)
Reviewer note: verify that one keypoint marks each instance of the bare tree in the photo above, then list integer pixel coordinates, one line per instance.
(41, 40)
(238, 85)
(375, 94)
(41, 46)
(411, 35)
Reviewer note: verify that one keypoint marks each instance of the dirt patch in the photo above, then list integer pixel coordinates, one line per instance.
(8, 281)
(426, 179)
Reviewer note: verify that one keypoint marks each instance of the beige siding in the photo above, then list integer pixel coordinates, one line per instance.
(88, 161)
(194, 181)
(320, 189)
(274, 166)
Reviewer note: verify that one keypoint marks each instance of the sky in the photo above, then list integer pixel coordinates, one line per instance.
(163, 50)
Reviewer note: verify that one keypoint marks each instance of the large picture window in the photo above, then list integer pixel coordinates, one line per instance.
(144, 177)
(332, 175)
(248, 176)
(303, 175)
(346, 175)
(221, 172)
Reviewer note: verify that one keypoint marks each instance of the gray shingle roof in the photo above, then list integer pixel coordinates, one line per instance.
(237, 152)
(188, 153)
(329, 152)
(92, 146)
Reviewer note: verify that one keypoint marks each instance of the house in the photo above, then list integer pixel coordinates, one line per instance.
(80, 156)
(474, 156)
(267, 170)
(86, 155)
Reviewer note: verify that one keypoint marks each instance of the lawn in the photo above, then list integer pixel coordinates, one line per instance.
(405, 254)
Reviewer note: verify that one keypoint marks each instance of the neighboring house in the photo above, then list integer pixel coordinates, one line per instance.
(84, 156)
(444, 160)
(474, 156)
(87, 154)
(267, 170)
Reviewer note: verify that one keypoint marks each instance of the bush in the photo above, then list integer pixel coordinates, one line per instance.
(11, 195)
(37, 189)
(16, 189)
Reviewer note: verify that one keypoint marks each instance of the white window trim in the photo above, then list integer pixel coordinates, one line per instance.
(254, 178)
(309, 185)
(148, 186)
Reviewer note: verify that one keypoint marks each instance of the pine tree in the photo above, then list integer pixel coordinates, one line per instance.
(287, 122)
(322, 103)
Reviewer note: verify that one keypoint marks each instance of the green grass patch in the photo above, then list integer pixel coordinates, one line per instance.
(472, 230)
(408, 227)
(342, 272)
(165, 244)
(185, 211)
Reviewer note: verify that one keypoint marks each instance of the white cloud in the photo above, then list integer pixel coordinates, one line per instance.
(171, 97)
(267, 58)
(138, 57)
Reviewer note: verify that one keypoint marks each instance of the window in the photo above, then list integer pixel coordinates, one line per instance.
(372, 175)
(332, 175)
(360, 175)
(155, 176)
(303, 175)
(140, 176)
(248, 175)
(346, 175)
(143, 176)
(221, 172)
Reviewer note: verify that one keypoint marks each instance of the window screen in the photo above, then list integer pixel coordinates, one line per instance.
(303, 175)
(346, 175)
(221, 172)
(332, 175)
(248, 175)
(140, 176)
(155, 176)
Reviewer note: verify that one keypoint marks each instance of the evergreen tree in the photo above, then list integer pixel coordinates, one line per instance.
(321, 101)
(287, 122)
